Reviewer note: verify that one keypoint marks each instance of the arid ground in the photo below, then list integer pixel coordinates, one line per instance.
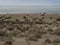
(30, 29)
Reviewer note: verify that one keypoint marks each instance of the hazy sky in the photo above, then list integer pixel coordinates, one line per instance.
(29, 2)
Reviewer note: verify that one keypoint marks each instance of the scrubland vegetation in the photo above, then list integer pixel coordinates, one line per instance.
(31, 29)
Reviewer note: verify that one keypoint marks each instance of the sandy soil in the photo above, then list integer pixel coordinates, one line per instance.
(49, 35)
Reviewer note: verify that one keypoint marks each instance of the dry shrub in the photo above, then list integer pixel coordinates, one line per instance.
(58, 19)
(47, 41)
(56, 41)
(57, 31)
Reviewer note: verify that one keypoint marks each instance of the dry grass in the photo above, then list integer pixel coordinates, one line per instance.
(30, 29)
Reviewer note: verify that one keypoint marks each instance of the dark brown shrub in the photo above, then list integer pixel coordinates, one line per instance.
(17, 19)
(58, 19)
(57, 32)
(56, 41)
(24, 17)
(33, 39)
(43, 17)
(10, 28)
(2, 33)
(47, 41)
(51, 18)
(50, 30)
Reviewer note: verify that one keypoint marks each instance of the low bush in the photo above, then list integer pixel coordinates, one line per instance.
(47, 41)
(57, 31)
(58, 19)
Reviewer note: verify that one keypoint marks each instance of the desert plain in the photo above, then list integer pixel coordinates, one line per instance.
(30, 29)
